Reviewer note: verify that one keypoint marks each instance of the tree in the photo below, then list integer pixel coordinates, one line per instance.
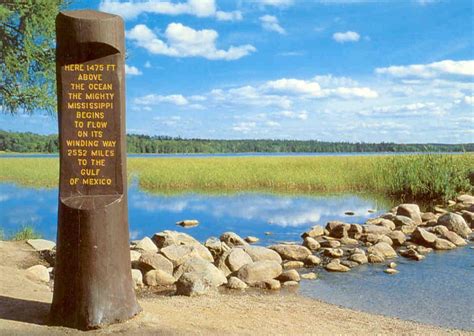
(27, 55)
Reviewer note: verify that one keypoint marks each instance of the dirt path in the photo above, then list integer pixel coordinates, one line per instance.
(24, 307)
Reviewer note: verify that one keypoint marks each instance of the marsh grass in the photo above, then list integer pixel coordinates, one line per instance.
(417, 177)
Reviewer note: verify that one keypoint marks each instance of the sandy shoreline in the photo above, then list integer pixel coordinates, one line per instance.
(24, 307)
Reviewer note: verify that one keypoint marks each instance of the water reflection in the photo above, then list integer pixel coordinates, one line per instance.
(245, 213)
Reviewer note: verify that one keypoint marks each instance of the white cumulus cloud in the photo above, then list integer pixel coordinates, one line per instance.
(431, 70)
(132, 70)
(348, 36)
(198, 8)
(270, 23)
(183, 41)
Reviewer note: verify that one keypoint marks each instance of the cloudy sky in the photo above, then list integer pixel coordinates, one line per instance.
(341, 70)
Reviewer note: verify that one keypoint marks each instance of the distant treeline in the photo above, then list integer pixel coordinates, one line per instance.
(35, 143)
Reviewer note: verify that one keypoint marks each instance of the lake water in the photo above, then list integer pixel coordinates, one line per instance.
(437, 290)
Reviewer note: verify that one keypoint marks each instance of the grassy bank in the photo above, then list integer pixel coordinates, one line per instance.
(403, 176)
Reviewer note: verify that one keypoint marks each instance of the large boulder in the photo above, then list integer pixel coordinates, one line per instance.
(197, 276)
(260, 253)
(291, 252)
(423, 237)
(146, 244)
(411, 211)
(311, 243)
(383, 249)
(454, 238)
(259, 271)
(159, 278)
(168, 237)
(400, 221)
(41, 244)
(233, 239)
(237, 258)
(456, 223)
(338, 229)
(178, 254)
(381, 222)
(153, 261)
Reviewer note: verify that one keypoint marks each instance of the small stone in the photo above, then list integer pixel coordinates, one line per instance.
(38, 273)
(443, 244)
(411, 254)
(251, 239)
(293, 264)
(397, 237)
(315, 231)
(267, 233)
(291, 252)
(348, 241)
(336, 266)
(359, 258)
(423, 237)
(371, 211)
(236, 283)
(333, 252)
(272, 284)
(188, 223)
(375, 258)
(455, 223)
(392, 265)
(312, 260)
(289, 275)
(290, 283)
(309, 276)
(238, 258)
(232, 239)
(349, 263)
(330, 243)
(383, 249)
(391, 271)
(311, 243)
(41, 244)
(134, 255)
(137, 278)
(349, 213)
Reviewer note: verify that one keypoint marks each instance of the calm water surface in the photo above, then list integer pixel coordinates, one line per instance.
(438, 290)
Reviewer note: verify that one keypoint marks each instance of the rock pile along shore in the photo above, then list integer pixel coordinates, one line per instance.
(176, 260)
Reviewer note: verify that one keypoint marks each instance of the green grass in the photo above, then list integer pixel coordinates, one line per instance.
(418, 177)
(26, 232)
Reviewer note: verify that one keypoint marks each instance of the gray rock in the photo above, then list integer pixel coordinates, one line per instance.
(216, 247)
(260, 253)
(336, 266)
(411, 211)
(38, 273)
(408, 229)
(289, 275)
(348, 241)
(331, 243)
(41, 244)
(411, 254)
(403, 220)
(338, 229)
(355, 231)
(381, 222)
(291, 252)
(350, 263)
(428, 216)
(195, 284)
(259, 271)
(159, 278)
(456, 223)
(237, 258)
(454, 238)
(153, 261)
(391, 271)
(232, 239)
(375, 258)
(236, 283)
(468, 217)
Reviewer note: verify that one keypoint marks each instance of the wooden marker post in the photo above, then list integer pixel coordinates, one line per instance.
(93, 285)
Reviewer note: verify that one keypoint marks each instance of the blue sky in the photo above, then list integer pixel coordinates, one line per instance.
(342, 70)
